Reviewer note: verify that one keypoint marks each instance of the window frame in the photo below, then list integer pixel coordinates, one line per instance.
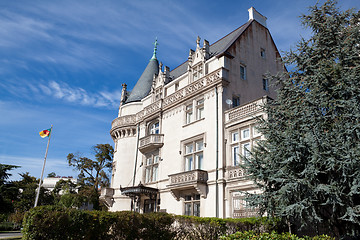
(151, 167)
(194, 155)
(192, 200)
(265, 84)
(243, 73)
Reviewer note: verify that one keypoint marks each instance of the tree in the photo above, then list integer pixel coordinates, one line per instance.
(52, 174)
(27, 192)
(309, 165)
(93, 173)
(7, 189)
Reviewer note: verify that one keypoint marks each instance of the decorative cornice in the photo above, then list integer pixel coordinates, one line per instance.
(218, 76)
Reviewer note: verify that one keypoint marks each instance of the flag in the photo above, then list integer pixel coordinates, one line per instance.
(45, 133)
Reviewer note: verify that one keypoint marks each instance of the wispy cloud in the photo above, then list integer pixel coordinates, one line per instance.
(62, 91)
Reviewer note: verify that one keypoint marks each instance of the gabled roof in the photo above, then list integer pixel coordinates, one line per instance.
(216, 49)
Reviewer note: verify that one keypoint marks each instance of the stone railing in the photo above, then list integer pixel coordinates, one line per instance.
(189, 177)
(151, 142)
(235, 173)
(246, 213)
(193, 88)
(245, 110)
(167, 102)
(107, 192)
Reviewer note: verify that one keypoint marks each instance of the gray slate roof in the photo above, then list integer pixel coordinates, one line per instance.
(217, 48)
(144, 84)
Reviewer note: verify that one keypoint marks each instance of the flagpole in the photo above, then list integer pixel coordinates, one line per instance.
(43, 168)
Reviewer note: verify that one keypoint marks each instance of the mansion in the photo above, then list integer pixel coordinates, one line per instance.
(180, 134)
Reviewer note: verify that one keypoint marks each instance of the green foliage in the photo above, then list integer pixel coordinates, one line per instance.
(93, 173)
(269, 236)
(309, 164)
(52, 174)
(54, 222)
(7, 189)
(26, 193)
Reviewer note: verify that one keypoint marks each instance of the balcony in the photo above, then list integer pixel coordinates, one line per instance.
(151, 142)
(107, 195)
(195, 179)
(246, 213)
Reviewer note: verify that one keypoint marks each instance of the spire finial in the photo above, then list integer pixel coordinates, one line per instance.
(155, 49)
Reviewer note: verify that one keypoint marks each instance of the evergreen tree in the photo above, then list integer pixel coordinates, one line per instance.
(309, 165)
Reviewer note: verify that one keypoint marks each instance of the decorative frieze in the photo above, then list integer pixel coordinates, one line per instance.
(235, 173)
(168, 102)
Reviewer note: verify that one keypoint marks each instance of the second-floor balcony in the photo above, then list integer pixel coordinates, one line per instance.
(195, 179)
(151, 142)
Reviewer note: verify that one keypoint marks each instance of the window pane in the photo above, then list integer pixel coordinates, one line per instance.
(189, 163)
(149, 161)
(246, 149)
(245, 133)
(199, 160)
(156, 159)
(199, 145)
(236, 156)
(200, 102)
(188, 198)
(188, 117)
(188, 209)
(154, 173)
(243, 72)
(189, 148)
(197, 197)
(154, 129)
(200, 113)
(235, 137)
(197, 209)
(147, 175)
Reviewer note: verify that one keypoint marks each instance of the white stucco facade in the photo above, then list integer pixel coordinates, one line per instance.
(178, 149)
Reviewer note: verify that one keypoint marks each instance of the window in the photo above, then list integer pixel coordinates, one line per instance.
(242, 72)
(194, 155)
(151, 168)
(235, 101)
(199, 109)
(245, 133)
(265, 84)
(154, 128)
(236, 155)
(262, 53)
(189, 113)
(149, 205)
(176, 86)
(246, 150)
(240, 145)
(235, 137)
(197, 72)
(192, 205)
(194, 111)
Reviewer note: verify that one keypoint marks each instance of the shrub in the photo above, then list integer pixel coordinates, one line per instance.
(54, 222)
(273, 235)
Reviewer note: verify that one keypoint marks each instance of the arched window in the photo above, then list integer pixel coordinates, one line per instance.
(154, 128)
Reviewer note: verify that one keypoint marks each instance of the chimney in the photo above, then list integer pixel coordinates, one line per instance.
(253, 14)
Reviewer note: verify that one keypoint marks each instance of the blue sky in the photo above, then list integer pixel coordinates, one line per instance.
(63, 63)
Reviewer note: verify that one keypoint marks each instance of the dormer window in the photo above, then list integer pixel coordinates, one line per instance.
(154, 128)
(197, 72)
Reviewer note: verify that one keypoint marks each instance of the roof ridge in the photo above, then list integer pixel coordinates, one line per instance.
(230, 33)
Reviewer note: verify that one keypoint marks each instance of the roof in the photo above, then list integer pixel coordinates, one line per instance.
(216, 49)
(144, 84)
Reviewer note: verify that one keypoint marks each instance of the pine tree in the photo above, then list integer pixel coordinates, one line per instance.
(309, 165)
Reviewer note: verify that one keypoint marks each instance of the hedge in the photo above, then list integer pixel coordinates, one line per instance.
(51, 222)
(273, 235)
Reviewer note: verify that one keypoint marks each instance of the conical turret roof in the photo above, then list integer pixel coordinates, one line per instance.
(144, 84)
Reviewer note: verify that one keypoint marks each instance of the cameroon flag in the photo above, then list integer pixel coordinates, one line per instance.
(45, 133)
